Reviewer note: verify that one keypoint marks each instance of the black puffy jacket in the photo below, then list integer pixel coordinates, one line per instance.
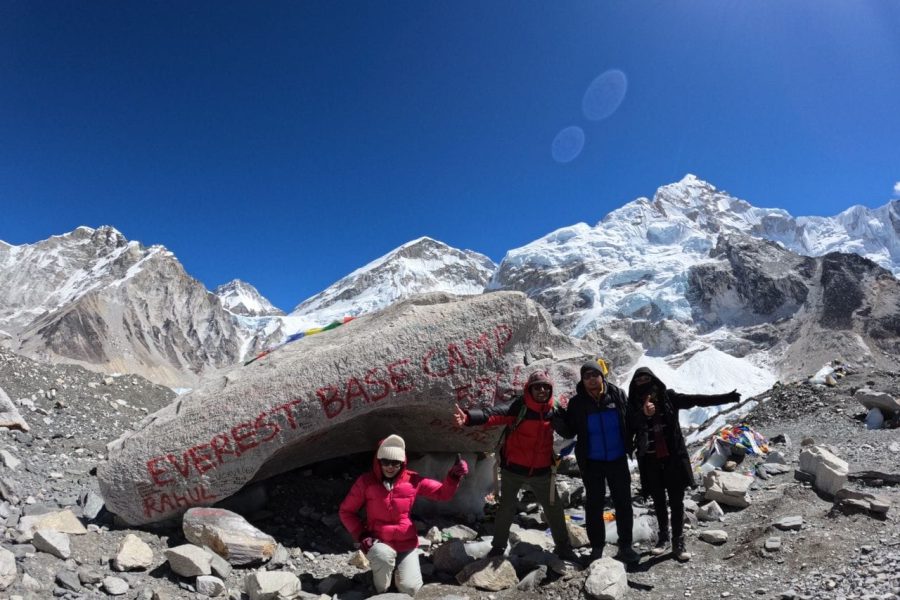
(668, 403)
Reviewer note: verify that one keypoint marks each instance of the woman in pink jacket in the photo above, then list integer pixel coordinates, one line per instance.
(388, 536)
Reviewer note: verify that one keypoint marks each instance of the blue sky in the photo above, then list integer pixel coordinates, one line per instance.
(288, 143)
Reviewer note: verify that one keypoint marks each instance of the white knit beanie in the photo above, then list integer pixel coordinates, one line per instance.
(392, 448)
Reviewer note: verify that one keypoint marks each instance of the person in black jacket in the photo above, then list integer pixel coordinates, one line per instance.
(596, 416)
(663, 460)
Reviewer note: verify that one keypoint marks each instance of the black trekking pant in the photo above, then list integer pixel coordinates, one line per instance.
(665, 479)
(596, 475)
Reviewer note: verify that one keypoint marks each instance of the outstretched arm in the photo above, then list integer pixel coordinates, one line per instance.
(444, 490)
(691, 400)
(502, 414)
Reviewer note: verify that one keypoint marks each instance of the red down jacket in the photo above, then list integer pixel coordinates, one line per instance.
(528, 447)
(387, 510)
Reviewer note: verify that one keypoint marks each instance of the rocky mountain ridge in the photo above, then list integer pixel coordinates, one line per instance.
(93, 298)
(667, 276)
(634, 284)
(421, 266)
(241, 298)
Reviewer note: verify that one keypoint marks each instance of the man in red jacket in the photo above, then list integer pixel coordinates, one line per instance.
(526, 459)
(387, 492)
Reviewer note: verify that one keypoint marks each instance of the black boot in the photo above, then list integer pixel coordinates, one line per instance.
(661, 544)
(565, 552)
(627, 555)
(680, 550)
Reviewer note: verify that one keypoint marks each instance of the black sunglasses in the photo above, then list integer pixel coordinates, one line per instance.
(390, 463)
(542, 387)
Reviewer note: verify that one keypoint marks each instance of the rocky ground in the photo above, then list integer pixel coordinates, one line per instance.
(72, 413)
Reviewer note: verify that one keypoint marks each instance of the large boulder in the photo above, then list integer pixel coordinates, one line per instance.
(9, 414)
(606, 580)
(397, 371)
(228, 534)
(828, 471)
(732, 489)
(871, 399)
(489, 574)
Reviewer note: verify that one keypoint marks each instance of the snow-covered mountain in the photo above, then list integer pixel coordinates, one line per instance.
(692, 281)
(417, 267)
(241, 298)
(638, 282)
(92, 297)
(634, 262)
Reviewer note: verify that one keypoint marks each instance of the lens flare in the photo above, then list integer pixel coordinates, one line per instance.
(604, 95)
(567, 144)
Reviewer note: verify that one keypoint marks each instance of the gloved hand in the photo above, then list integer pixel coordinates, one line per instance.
(459, 469)
(366, 542)
(734, 396)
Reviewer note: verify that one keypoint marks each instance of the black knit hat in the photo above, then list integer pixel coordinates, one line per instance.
(590, 365)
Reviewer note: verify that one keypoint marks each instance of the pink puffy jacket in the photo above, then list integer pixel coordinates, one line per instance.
(387, 511)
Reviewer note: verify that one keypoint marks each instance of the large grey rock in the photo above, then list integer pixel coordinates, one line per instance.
(228, 534)
(534, 579)
(732, 489)
(776, 457)
(488, 574)
(9, 414)
(606, 580)
(396, 371)
(133, 554)
(271, 585)
(219, 565)
(68, 580)
(115, 586)
(9, 460)
(31, 584)
(210, 586)
(63, 521)
(188, 560)
(767, 470)
(88, 576)
(789, 523)
(710, 511)
(862, 500)
(453, 556)
(52, 542)
(828, 471)
(91, 505)
(460, 532)
(714, 536)
(534, 537)
(880, 400)
(7, 568)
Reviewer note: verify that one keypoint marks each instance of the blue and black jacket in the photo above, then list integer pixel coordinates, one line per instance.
(585, 418)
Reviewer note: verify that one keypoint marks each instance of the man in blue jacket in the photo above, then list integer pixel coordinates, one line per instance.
(596, 416)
